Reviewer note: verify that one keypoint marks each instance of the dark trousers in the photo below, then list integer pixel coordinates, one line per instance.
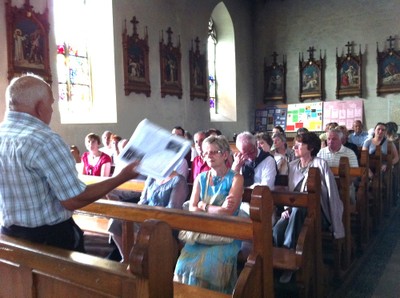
(65, 235)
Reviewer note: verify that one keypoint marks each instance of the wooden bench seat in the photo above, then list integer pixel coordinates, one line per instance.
(255, 280)
(306, 259)
(342, 248)
(376, 197)
(33, 270)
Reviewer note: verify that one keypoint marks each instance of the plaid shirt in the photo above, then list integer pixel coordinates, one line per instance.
(37, 172)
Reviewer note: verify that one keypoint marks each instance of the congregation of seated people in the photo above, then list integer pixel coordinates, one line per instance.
(259, 158)
(218, 176)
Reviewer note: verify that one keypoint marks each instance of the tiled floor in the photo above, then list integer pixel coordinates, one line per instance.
(378, 273)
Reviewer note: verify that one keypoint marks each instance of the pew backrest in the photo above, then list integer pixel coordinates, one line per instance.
(256, 279)
(33, 270)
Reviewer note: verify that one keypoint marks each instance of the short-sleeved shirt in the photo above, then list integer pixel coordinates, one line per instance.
(372, 147)
(333, 158)
(37, 172)
(358, 139)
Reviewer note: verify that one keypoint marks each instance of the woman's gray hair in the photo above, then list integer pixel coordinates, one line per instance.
(221, 142)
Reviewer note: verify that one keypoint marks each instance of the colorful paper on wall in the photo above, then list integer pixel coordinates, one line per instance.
(343, 112)
(308, 115)
(269, 117)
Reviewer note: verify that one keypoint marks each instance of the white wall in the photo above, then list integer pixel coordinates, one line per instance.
(288, 27)
(292, 26)
(188, 19)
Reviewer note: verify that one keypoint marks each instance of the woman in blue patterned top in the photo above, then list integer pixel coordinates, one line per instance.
(217, 191)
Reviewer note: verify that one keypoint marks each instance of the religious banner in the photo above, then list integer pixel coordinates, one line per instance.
(343, 112)
(269, 117)
(308, 115)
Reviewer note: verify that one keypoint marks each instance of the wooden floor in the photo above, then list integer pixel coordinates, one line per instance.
(97, 244)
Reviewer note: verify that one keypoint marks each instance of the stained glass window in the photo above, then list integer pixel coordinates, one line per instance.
(73, 65)
(87, 93)
(211, 52)
(73, 70)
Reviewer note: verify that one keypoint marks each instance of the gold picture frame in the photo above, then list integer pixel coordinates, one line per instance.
(27, 41)
(275, 80)
(170, 67)
(349, 73)
(311, 77)
(136, 61)
(198, 73)
(388, 69)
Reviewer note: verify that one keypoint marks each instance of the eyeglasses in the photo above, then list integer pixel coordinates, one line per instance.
(210, 153)
(296, 146)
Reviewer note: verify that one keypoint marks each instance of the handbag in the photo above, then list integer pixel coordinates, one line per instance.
(191, 237)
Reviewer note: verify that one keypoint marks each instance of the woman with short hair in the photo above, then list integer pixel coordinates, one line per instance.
(219, 192)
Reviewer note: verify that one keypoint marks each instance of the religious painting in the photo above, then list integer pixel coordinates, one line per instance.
(170, 67)
(27, 41)
(349, 73)
(136, 61)
(311, 77)
(388, 70)
(198, 73)
(275, 80)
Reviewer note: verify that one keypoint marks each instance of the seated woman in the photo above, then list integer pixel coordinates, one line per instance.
(95, 162)
(170, 192)
(217, 191)
(286, 230)
(379, 139)
(265, 142)
(280, 147)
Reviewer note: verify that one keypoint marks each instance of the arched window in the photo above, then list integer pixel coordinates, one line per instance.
(221, 65)
(211, 53)
(85, 61)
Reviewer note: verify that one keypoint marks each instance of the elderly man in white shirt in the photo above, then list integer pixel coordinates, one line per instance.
(335, 150)
(256, 166)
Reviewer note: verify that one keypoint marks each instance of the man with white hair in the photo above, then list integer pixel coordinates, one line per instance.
(335, 150)
(256, 166)
(40, 188)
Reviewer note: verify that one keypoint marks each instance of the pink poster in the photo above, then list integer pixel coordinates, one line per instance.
(343, 112)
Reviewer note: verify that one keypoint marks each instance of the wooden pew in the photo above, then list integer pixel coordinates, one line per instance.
(342, 248)
(396, 175)
(33, 270)
(131, 185)
(306, 259)
(255, 280)
(361, 221)
(387, 179)
(375, 198)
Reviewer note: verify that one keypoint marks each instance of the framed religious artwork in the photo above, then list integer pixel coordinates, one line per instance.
(275, 80)
(311, 77)
(198, 73)
(349, 73)
(388, 69)
(27, 41)
(170, 67)
(136, 61)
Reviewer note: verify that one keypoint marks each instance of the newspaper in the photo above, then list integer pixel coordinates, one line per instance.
(158, 150)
